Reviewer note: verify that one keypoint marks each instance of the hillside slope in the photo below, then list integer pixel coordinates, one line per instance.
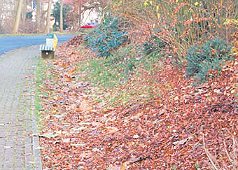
(179, 126)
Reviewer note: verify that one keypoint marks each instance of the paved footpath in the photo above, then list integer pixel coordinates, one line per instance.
(19, 144)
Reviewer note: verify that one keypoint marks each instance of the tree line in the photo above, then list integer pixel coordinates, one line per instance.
(38, 16)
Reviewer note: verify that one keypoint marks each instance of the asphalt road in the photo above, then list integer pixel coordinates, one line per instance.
(8, 43)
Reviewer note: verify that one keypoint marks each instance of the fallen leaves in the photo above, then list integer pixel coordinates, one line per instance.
(75, 42)
(161, 133)
(49, 135)
(183, 141)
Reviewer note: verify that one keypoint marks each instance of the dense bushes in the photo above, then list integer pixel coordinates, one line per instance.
(106, 37)
(173, 26)
(180, 23)
(205, 58)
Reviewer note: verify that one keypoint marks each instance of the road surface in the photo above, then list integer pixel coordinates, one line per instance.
(8, 43)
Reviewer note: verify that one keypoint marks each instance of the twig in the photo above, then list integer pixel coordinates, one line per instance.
(234, 163)
(210, 156)
(227, 153)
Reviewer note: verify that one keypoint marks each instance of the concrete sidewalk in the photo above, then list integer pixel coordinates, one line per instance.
(19, 144)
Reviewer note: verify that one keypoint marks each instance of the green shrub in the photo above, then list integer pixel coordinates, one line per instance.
(106, 37)
(209, 56)
(153, 46)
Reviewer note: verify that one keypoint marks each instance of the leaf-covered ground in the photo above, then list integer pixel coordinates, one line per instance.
(186, 127)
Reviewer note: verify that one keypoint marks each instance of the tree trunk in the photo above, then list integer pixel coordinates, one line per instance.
(23, 14)
(38, 16)
(47, 29)
(1, 12)
(61, 16)
(75, 14)
(80, 13)
(18, 17)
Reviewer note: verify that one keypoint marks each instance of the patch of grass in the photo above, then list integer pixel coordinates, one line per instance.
(124, 77)
(111, 71)
(40, 76)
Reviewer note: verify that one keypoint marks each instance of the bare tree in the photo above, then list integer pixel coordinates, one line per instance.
(61, 16)
(18, 17)
(38, 15)
(1, 13)
(47, 29)
(80, 13)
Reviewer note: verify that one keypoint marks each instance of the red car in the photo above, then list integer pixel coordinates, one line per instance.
(88, 26)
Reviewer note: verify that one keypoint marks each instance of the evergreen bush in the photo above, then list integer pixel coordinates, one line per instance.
(106, 37)
(209, 56)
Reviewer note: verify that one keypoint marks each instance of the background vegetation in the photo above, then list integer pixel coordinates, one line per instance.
(192, 33)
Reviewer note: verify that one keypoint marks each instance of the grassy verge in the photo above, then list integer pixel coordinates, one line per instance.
(40, 76)
(125, 77)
